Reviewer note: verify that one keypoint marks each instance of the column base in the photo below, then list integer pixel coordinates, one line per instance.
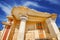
(58, 36)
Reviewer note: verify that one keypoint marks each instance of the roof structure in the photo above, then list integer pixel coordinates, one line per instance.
(32, 15)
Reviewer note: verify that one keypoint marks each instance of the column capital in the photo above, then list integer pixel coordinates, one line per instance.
(23, 17)
(51, 19)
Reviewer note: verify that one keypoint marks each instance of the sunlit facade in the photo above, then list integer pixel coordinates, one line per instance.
(28, 24)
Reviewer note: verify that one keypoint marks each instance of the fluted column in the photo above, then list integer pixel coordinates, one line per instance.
(22, 28)
(53, 28)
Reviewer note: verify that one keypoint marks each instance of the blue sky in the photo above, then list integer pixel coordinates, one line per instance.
(50, 6)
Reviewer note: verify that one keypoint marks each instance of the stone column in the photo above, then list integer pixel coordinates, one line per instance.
(58, 36)
(6, 31)
(53, 28)
(37, 34)
(11, 22)
(22, 28)
(44, 33)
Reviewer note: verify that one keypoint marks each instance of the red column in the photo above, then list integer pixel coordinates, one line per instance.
(6, 33)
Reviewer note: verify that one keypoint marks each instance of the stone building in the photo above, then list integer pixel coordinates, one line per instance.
(27, 24)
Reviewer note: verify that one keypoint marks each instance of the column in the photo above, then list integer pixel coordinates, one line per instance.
(9, 30)
(53, 28)
(37, 34)
(58, 35)
(7, 27)
(44, 33)
(22, 28)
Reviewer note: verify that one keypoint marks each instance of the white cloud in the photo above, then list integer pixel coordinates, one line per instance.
(28, 3)
(59, 16)
(54, 1)
(7, 9)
